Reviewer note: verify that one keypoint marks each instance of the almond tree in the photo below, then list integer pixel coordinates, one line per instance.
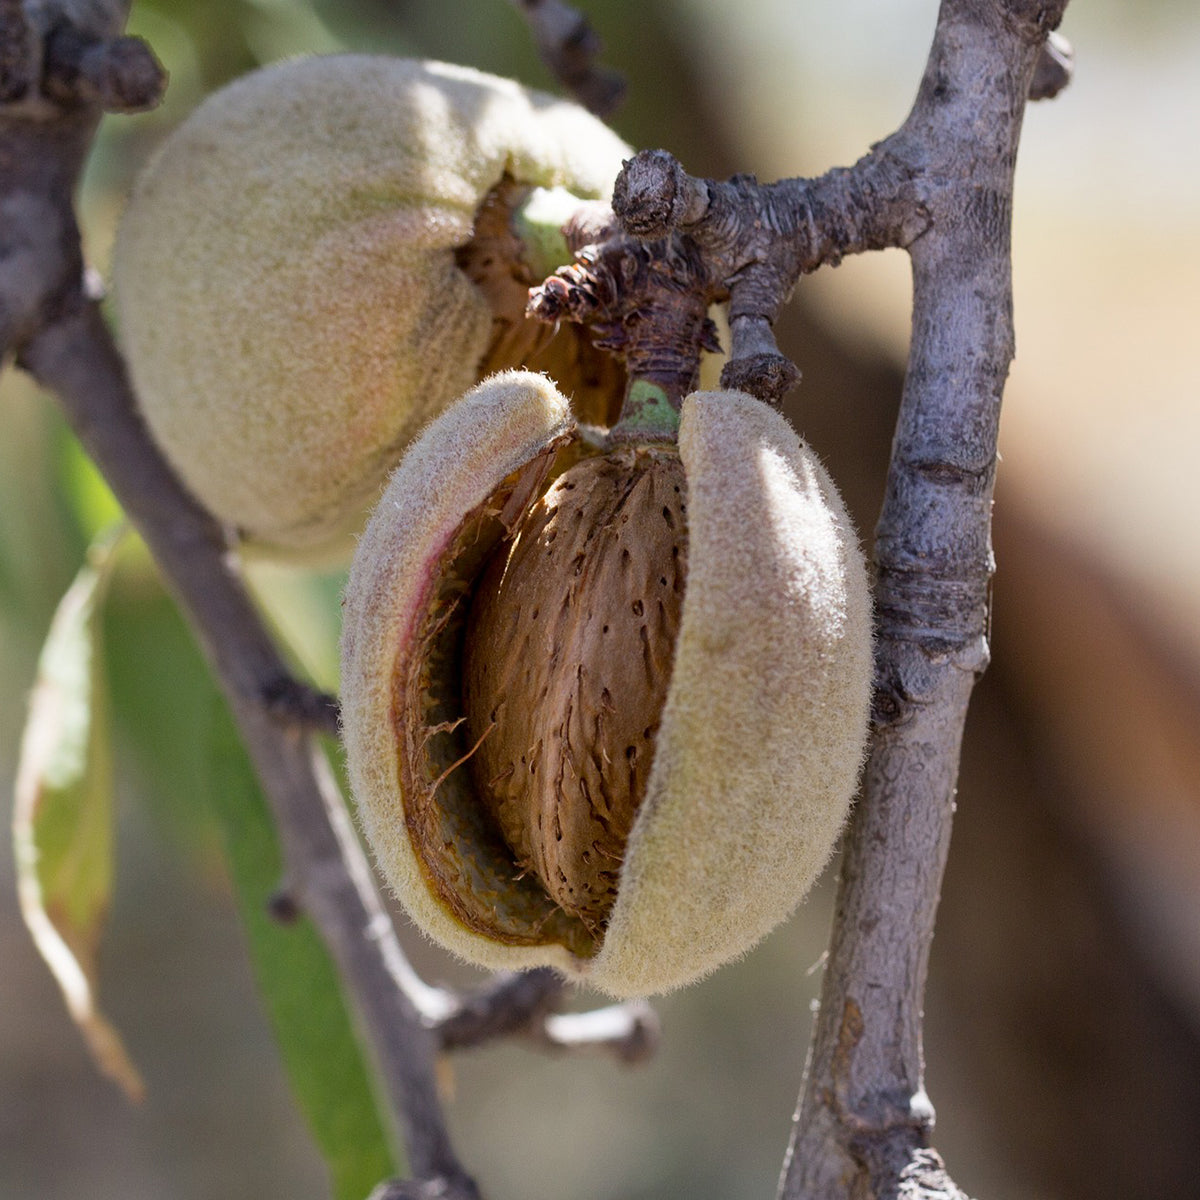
(940, 187)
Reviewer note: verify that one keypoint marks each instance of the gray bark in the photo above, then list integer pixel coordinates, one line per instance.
(864, 1122)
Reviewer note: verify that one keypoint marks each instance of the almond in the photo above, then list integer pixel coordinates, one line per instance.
(594, 722)
(289, 293)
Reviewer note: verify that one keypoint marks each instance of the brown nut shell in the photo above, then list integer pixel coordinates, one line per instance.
(762, 728)
(567, 660)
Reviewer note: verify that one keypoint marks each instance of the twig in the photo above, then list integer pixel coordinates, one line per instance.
(569, 47)
(647, 303)
(943, 192)
(630, 1031)
(524, 1004)
(510, 1004)
(758, 239)
(865, 1121)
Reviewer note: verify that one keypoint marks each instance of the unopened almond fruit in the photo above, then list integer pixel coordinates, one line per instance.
(292, 293)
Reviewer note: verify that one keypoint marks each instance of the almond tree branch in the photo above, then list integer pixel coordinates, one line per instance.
(758, 239)
(60, 337)
(864, 1123)
(57, 72)
(941, 187)
(569, 47)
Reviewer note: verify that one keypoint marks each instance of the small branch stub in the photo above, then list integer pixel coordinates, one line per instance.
(119, 75)
(283, 908)
(769, 375)
(654, 195)
(1055, 68)
(296, 703)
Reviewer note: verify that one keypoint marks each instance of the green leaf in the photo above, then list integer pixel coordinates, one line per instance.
(304, 608)
(88, 496)
(303, 995)
(162, 694)
(63, 812)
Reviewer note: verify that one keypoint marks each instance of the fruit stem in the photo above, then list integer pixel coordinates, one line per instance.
(649, 413)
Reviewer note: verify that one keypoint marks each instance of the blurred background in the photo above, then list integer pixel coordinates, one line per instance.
(1063, 1016)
